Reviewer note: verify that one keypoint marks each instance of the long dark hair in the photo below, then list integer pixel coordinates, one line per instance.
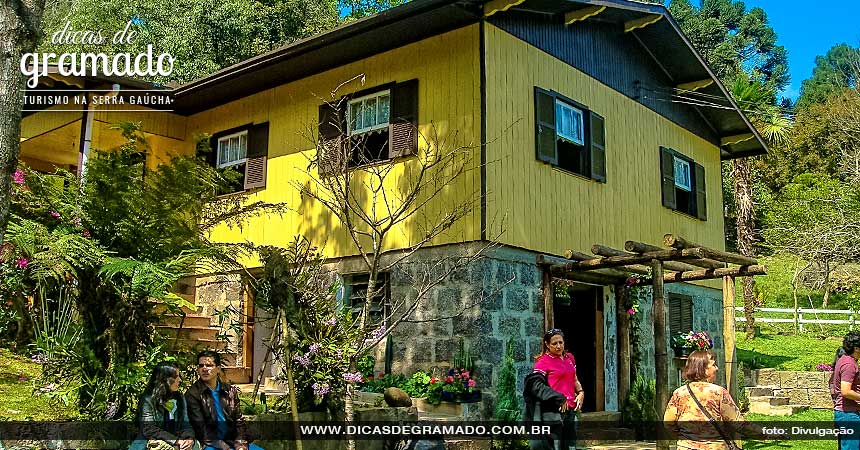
(158, 387)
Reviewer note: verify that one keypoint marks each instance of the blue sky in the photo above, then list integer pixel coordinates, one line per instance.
(808, 29)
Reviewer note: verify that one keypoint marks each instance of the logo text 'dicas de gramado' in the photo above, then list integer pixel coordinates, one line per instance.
(35, 65)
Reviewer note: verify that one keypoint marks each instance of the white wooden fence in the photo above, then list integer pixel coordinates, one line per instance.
(800, 318)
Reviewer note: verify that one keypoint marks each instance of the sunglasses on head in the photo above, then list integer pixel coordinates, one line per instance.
(553, 332)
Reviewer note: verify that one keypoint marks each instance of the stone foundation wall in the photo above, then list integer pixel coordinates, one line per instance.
(802, 388)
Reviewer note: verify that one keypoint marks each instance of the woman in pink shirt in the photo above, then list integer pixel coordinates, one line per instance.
(559, 367)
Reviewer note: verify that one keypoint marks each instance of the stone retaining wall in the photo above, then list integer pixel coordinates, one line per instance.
(802, 388)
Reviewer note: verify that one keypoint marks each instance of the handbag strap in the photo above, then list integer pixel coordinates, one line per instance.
(711, 419)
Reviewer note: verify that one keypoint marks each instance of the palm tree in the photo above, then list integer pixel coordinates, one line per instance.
(757, 100)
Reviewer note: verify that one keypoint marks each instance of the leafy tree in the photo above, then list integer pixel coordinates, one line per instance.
(20, 33)
(356, 9)
(126, 235)
(838, 69)
(818, 219)
(203, 35)
(734, 40)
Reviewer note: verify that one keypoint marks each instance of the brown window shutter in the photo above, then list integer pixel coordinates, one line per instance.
(258, 153)
(687, 313)
(211, 154)
(598, 147)
(667, 176)
(332, 129)
(546, 147)
(403, 120)
(701, 194)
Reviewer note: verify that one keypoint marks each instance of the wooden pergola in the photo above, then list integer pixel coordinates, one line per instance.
(680, 260)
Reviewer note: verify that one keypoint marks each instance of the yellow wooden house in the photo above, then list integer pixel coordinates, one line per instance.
(591, 122)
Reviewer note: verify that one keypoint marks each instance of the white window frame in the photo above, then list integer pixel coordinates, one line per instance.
(579, 119)
(683, 178)
(241, 160)
(364, 99)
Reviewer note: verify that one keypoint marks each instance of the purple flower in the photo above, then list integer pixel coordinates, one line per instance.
(39, 358)
(378, 333)
(631, 311)
(314, 348)
(22, 263)
(332, 322)
(49, 388)
(303, 360)
(55, 214)
(824, 367)
(321, 389)
(76, 221)
(85, 233)
(18, 177)
(352, 377)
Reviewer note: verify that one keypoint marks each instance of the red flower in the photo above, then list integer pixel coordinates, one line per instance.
(369, 377)
(449, 379)
(432, 380)
(381, 374)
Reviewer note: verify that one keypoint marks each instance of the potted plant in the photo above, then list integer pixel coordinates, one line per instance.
(459, 387)
(684, 343)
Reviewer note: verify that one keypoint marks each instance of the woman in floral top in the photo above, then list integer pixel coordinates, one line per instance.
(686, 419)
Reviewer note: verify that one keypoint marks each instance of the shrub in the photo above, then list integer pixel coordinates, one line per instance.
(639, 408)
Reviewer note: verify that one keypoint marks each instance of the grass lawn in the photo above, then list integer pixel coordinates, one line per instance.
(785, 352)
(822, 418)
(17, 375)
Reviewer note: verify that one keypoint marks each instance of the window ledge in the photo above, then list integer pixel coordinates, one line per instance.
(683, 214)
(569, 172)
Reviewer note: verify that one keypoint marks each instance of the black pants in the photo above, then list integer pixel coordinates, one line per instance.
(564, 435)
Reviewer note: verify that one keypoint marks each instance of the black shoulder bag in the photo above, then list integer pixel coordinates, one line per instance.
(729, 442)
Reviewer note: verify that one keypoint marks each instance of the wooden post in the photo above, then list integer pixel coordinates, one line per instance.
(661, 364)
(729, 334)
(546, 287)
(623, 341)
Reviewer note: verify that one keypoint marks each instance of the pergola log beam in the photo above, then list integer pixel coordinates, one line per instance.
(618, 261)
(590, 278)
(603, 250)
(709, 274)
(678, 242)
(615, 276)
(608, 251)
(639, 247)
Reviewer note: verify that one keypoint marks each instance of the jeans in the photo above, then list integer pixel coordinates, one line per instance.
(848, 420)
(567, 439)
(250, 447)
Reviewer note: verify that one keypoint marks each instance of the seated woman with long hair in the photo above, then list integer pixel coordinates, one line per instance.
(162, 414)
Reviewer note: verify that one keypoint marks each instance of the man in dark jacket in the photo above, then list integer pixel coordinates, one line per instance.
(214, 408)
(542, 404)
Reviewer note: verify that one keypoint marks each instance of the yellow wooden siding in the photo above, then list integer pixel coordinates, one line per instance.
(550, 210)
(447, 69)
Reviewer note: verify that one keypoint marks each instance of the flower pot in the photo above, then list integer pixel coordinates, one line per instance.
(681, 352)
(461, 397)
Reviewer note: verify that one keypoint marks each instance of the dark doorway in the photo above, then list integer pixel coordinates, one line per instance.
(576, 311)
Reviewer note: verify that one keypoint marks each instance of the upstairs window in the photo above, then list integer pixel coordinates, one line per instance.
(683, 184)
(374, 125)
(369, 113)
(568, 123)
(569, 136)
(245, 150)
(233, 149)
